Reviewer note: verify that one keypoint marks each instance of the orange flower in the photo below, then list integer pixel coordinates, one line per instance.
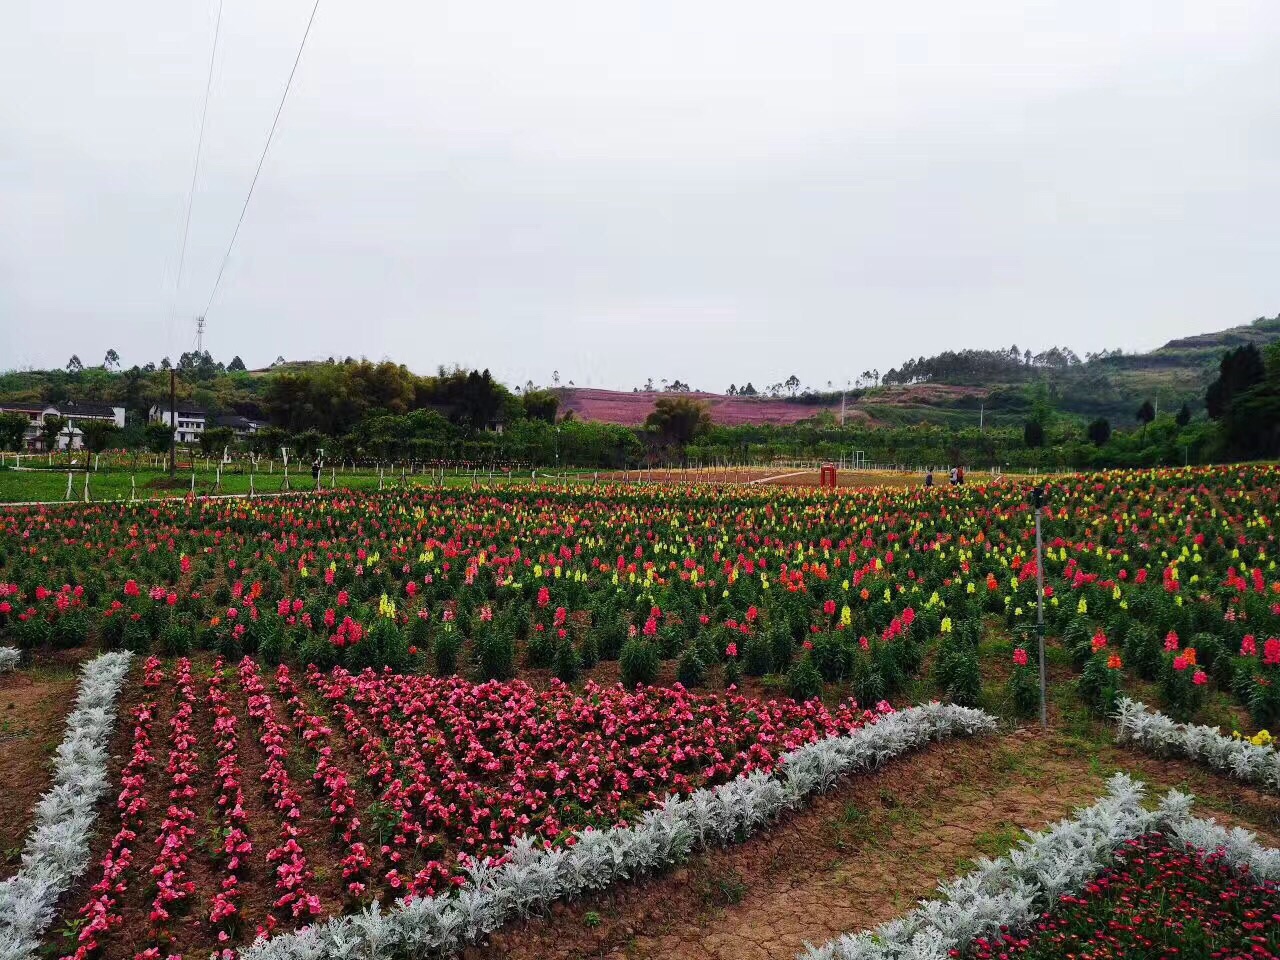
(1190, 655)
(1114, 662)
(214, 621)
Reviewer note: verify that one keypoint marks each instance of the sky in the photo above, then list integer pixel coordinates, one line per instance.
(707, 190)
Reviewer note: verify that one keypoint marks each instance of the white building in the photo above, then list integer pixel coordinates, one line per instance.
(191, 422)
(75, 414)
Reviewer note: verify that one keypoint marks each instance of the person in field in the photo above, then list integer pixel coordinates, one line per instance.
(960, 476)
(928, 477)
(955, 476)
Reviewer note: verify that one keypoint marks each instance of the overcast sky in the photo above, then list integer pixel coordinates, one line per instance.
(709, 190)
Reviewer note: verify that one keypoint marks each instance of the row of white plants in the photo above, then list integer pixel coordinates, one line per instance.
(1015, 889)
(57, 848)
(534, 877)
(9, 657)
(1138, 725)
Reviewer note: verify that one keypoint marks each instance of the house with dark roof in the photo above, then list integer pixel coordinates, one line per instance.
(75, 413)
(188, 424)
(242, 427)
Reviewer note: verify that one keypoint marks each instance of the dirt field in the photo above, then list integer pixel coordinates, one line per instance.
(782, 477)
(863, 854)
(34, 703)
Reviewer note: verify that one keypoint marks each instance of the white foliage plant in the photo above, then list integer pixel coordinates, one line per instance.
(533, 877)
(9, 657)
(1015, 889)
(57, 848)
(1138, 725)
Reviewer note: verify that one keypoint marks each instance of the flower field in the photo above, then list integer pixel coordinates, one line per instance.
(1166, 578)
(1161, 900)
(471, 703)
(253, 801)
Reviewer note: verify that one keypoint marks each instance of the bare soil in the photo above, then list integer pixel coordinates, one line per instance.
(34, 703)
(862, 854)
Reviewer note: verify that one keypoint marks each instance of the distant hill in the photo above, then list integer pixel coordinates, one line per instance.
(630, 409)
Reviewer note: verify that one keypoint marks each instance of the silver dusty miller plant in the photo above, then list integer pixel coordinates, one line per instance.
(1140, 726)
(1015, 889)
(9, 657)
(57, 848)
(533, 877)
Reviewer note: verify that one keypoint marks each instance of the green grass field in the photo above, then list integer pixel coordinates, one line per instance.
(23, 486)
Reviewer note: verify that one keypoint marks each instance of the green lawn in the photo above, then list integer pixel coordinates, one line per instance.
(18, 486)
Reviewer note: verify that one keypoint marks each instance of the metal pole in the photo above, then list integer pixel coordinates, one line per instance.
(173, 423)
(1044, 709)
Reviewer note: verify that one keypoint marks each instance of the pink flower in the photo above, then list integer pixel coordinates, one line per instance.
(1199, 678)
(731, 650)
(1020, 657)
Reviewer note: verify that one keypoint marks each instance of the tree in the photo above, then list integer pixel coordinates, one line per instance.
(1239, 370)
(214, 439)
(732, 391)
(1184, 416)
(13, 427)
(157, 436)
(236, 365)
(50, 429)
(792, 384)
(748, 391)
(111, 361)
(1033, 433)
(1146, 413)
(541, 405)
(678, 420)
(1099, 431)
(74, 365)
(96, 435)
(165, 364)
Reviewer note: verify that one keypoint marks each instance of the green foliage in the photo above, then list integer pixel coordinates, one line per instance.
(567, 662)
(691, 670)
(803, 680)
(638, 662)
(447, 646)
(13, 427)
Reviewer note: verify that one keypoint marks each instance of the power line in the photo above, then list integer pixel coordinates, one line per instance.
(262, 159)
(191, 191)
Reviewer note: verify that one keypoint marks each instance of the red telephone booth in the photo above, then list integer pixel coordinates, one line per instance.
(827, 476)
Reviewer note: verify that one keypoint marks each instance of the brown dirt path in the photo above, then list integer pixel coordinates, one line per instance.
(862, 854)
(34, 703)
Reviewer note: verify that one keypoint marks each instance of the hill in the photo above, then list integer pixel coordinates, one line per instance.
(630, 409)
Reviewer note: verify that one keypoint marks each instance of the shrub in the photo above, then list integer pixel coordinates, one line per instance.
(757, 656)
(568, 663)
(692, 670)
(639, 663)
(540, 650)
(804, 681)
(447, 646)
(495, 656)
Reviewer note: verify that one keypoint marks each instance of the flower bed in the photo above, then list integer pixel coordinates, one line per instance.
(1252, 760)
(344, 791)
(721, 583)
(1008, 905)
(532, 875)
(1160, 899)
(57, 849)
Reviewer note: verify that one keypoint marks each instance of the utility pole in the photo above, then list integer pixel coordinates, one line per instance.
(1037, 498)
(173, 422)
(982, 415)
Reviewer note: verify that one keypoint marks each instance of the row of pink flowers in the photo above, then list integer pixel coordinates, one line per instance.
(292, 871)
(332, 781)
(102, 913)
